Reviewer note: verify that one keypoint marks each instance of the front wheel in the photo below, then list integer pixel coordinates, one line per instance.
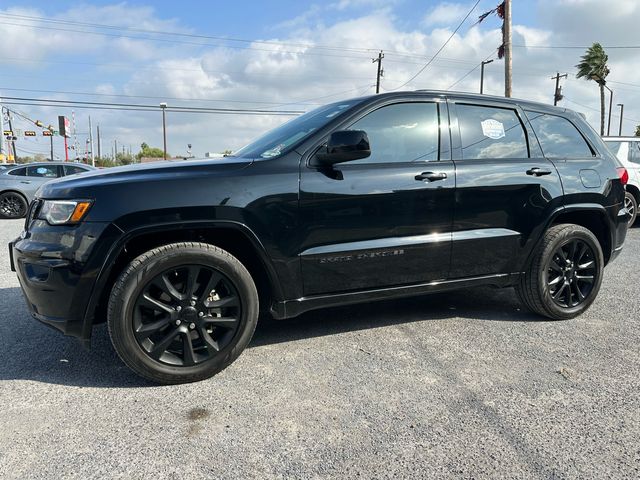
(182, 312)
(13, 205)
(565, 273)
(631, 204)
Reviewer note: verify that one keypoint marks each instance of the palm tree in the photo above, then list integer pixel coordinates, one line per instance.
(593, 66)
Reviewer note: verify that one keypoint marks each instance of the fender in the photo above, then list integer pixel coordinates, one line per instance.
(118, 246)
(576, 207)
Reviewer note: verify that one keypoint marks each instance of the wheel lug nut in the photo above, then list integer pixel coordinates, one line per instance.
(201, 314)
(178, 322)
(192, 326)
(178, 308)
(193, 302)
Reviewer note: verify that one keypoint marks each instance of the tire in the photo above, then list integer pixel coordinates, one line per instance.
(13, 205)
(564, 274)
(631, 204)
(182, 312)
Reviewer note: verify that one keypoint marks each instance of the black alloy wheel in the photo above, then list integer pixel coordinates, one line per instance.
(564, 274)
(182, 312)
(572, 273)
(13, 205)
(186, 315)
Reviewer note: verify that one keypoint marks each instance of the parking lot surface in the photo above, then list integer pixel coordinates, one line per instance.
(457, 385)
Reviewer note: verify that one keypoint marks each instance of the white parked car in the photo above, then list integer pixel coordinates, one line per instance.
(627, 149)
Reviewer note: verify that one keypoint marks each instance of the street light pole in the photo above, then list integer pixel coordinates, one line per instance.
(163, 106)
(621, 105)
(610, 107)
(482, 64)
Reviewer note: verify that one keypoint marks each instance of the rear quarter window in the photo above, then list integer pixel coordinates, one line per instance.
(73, 169)
(558, 137)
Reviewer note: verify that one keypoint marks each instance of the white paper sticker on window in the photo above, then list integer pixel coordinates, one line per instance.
(492, 128)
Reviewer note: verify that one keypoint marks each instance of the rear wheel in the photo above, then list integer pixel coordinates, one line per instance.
(182, 312)
(631, 204)
(565, 273)
(13, 205)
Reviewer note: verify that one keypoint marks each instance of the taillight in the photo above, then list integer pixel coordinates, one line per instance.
(623, 174)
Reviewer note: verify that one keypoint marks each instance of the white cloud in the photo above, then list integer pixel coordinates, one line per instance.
(446, 14)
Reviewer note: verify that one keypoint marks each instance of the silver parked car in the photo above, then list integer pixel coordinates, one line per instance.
(18, 183)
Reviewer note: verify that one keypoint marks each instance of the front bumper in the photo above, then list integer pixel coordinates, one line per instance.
(57, 267)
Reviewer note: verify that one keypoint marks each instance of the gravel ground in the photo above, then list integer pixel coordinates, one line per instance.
(456, 385)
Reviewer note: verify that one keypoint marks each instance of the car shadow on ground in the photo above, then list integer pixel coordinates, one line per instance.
(32, 351)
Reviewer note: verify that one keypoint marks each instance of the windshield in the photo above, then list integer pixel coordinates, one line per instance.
(283, 138)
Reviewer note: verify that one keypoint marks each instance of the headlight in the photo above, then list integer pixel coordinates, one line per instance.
(64, 212)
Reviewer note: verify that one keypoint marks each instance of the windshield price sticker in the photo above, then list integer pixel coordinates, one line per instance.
(492, 128)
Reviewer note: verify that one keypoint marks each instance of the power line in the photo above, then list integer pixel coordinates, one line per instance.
(440, 49)
(173, 41)
(365, 50)
(471, 71)
(581, 47)
(598, 110)
(177, 108)
(184, 34)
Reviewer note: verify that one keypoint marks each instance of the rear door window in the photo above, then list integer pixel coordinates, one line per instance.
(491, 132)
(47, 171)
(558, 137)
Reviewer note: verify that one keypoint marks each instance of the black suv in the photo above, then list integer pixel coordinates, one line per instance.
(367, 199)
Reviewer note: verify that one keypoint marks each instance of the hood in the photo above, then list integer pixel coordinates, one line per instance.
(83, 184)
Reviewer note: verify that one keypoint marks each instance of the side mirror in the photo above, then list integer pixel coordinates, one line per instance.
(343, 146)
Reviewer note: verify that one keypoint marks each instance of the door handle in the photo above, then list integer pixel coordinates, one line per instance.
(538, 172)
(431, 176)
(24, 181)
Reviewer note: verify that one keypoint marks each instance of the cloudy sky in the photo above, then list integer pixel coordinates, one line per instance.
(288, 55)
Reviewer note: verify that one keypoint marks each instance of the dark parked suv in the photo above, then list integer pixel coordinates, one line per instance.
(366, 199)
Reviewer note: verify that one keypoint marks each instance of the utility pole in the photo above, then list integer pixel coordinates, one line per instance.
(380, 70)
(482, 64)
(163, 107)
(1, 130)
(507, 48)
(621, 105)
(13, 137)
(99, 153)
(115, 150)
(93, 160)
(557, 95)
(51, 139)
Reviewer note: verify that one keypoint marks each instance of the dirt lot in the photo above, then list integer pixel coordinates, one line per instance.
(456, 385)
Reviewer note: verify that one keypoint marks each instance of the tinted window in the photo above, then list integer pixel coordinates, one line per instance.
(48, 171)
(18, 171)
(282, 139)
(404, 132)
(634, 152)
(558, 137)
(73, 169)
(490, 132)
